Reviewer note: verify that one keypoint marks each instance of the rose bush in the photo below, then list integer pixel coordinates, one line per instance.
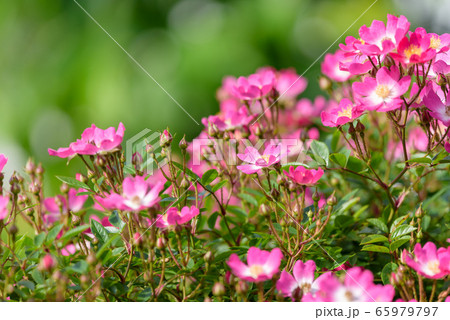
(338, 199)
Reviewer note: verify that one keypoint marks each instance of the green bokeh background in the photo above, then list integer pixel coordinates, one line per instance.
(60, 72)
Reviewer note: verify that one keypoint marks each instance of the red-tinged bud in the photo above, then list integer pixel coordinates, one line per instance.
(388, 61)
(138, 240)
(245, 132)
(30, 167)
(208, 256)
(218, 289)
(136, 159)
(419, 212)
(40, 169)
(161, 243)
(264, 210)
(207, 299)
(360, 127)
(13, 230)
(441, 79)
(212, 130)
(241, 287)
(183, 144)
(332, 201)
(165, 139)
(47, 263)
(64, 188)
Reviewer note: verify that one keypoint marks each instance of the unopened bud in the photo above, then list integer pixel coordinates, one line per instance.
(218, 289)
(388, 61)
(47, 263)
(137, 238)
(208, 256)
(332, 201)
(161, 243)
(241, 287)
(419, 212)
(30, 166)
(264, 210)
(13, 229)
(316, 196)
(185, 183)
(360, 127)
(64, 188)
(183, 144)
(165, 139)
(325, 83)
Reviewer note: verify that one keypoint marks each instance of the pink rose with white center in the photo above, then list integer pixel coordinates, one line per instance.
(138, 194)
(355, 61)
(344, 113)
(255, 161)
(302, 279)
(93, 141)
(261, 265)
(357, 286)
(55, 206)
(383, 92)
(303, 176)
(428, 261)
(380, 39)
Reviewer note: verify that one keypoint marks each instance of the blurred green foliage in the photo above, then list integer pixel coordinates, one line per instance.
(60, 72)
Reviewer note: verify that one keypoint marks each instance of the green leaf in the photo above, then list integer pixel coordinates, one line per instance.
(402, 230)
(27, 284)
(386, 272)
(79, 267)
(248, 198)
(320, 152)
(209, 176)
(397, 222)
(73, 233)
(129, 170)
(238, 212)
(375, 248)
(420, 160)
(73, 182)
(144, 295)
(212, 220)
(53, 233)
(37, 276)
(379, 224)
(39, 239)
(189, 172)
(115, 220)
(99, 232)
(339, 159)
(219, 185)
(355, 164)
(106, 245)
(399, 242)
(374, 238)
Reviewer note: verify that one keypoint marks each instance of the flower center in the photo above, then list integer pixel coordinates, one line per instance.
(433, 267)
(256, 270)
(382, 91)
(412, 50)
(349, 295)
(346, 112)
(266, 158)
(306, 287)
(435, 42)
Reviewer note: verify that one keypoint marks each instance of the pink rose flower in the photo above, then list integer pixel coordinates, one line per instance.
(439, 107)
(3, 207)
(174, 217)
(3, 161)
(137, 194)
(383, 93)
(53, 209)
(254, 86)
(330, 66)
(289, 84)
(303, 176)
(380, 39)
(261, 265)
(428, 261)
(357, 286)
(302, 279)
(256, 161)
(230, 119)
(93, 141)
(344, 113)
(416, 49)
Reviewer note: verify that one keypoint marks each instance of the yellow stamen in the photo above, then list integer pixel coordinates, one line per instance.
(382, 91)
(412, 49)
(435, 42)
(346, 112)
(433, 266)
(256, 270)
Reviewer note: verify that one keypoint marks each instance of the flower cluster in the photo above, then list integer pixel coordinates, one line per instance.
(278, 198)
